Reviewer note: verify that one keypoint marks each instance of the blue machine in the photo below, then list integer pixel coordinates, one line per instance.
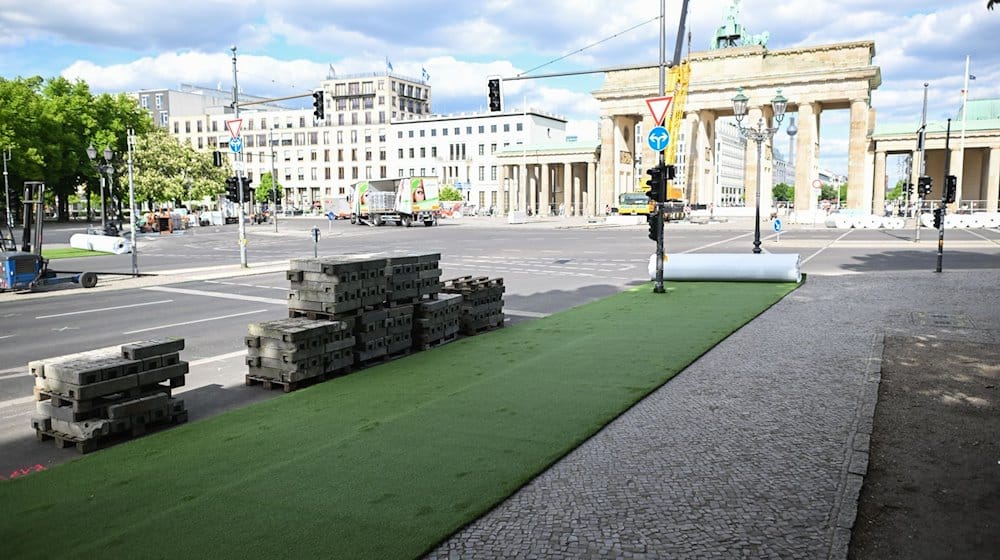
(27, 269)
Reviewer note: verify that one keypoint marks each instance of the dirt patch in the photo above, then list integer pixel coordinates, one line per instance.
(933, 483)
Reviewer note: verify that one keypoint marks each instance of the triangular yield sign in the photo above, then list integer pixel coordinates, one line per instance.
(234, 127)
(658, 106)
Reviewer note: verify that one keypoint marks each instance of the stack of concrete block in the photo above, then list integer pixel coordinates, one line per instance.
(288, 352)
(402, 280)
(370, 335)
(482, 302)
(91, 396)
(399, 329)
(335, 285)
(428, 275)
(436, 321)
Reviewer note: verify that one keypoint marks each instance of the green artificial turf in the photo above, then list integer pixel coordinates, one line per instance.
(69, 253)
(383, 463)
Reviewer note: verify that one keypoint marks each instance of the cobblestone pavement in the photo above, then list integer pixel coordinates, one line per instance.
(757, 450)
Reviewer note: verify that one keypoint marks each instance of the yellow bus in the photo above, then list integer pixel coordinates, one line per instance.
(634, 204)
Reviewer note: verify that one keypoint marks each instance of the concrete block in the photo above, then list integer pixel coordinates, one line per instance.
(155, 347)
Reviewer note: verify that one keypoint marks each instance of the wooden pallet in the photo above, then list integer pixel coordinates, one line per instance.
(422, 345)
(289, 386)
(472, 331)
(88, 445)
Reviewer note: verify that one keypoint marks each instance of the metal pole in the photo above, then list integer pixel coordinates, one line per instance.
(921, 141)
(130, 140)
(944, 193)
(274, 182)
(100, 174)
(756, 223)
(961, 150)
(658, 285)
(6, 189)
(239, 172)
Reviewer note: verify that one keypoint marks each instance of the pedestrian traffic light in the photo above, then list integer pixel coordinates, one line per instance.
(318, 109)
(232, 192)
(950, 188)
(909, 189)
(655, 223)
(670, 172)
(217, 158)
(655, 184)
(246, 188)
(938, 218)
(923, 186)
(494, 94)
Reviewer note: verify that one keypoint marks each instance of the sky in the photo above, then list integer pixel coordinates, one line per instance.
(286, 47)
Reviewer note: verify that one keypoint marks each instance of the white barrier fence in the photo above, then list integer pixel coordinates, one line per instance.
(951, 221)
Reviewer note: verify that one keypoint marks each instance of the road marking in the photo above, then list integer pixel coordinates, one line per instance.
(828, 245)
(15, 402)
(532, 314)
(6, 336)
(731, 239)
(195, 321)
(282, 288)
(221, 295)
(103, 309)
(218, 358)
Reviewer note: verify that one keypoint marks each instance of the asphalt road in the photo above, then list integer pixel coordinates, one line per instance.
(546, 267)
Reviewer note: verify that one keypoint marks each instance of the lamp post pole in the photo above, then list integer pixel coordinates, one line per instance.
(132, 212)
(760, 134)
(102, 168)
(6, 189)
(274, 182)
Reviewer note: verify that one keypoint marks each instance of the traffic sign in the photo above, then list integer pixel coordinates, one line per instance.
(234, 127)
(658, 106)
(658, 139)
(236, 145)
(777, 225)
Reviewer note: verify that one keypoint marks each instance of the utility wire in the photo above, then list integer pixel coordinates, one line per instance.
(580, 50)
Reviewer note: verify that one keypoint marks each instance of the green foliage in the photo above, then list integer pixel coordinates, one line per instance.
(165, 170)
(264, 190)
(897, 192)
(783, 192)
(449, 192)
(828, 193)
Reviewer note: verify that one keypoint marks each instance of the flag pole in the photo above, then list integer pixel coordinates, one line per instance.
(961, 149)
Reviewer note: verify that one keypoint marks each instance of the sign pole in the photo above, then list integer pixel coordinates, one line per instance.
(239, 172)
(658, 285)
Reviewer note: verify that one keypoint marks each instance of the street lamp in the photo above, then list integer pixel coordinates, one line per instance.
(760, 134)
(102, 168)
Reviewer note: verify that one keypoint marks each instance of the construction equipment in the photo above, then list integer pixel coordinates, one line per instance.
(27, 269)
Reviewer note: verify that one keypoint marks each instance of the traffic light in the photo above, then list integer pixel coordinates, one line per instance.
(950, 188)
(217, 158)
(938, 217)
(923, 186)
(232, 194)
(655, 223)
(656, 183)
(318, 110)
(908, 186)
(494, 88)
(670, 173)
(246, 188)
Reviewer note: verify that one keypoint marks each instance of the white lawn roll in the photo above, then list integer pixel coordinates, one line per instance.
(732, 267)
(101, 243)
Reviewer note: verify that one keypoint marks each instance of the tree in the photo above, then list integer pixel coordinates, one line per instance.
(449, 192)
(897, 192)
(828, 193)
(165, 170)
(782, 192)
(265, 192)
(991, 3)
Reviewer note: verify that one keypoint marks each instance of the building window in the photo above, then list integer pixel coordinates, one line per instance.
(187, 127)
(482, 173)
(482, 129)
(423, 152)
(482, 149)
(519, 127)
(493, 173)
(506, 127)
(493, 128)
(144, 101)
(434, 151)
(159, 100)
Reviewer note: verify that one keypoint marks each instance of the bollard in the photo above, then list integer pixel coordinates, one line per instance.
(315, 234)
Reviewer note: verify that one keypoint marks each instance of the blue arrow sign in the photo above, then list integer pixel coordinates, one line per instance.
(236, 145)
(777, 225)
(658, 139)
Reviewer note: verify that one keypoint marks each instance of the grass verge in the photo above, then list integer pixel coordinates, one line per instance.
(69, 253)
(386, 462)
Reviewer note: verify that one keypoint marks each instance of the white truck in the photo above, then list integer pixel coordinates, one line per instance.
(339, 205)
(400, 201)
